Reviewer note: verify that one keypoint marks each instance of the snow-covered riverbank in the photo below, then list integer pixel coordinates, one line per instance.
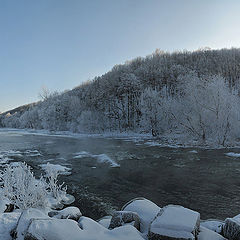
(139, 219)
(171, 141)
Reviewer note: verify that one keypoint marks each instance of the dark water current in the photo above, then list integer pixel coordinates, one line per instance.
(207, 181)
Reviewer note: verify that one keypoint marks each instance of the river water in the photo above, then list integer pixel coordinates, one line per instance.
(108, 172)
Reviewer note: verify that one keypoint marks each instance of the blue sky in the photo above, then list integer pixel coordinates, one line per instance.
(61, 43)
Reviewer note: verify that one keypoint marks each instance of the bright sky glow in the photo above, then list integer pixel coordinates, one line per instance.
(61, 43)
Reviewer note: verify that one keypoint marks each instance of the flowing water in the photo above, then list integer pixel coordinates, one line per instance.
(108, 172)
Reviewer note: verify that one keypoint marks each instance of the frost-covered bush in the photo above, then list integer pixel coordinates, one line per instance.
(22, 188)
(19, 185)
(51, 175)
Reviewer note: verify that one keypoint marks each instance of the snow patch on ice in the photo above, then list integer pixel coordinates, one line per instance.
(62, 170)
(193, 151)
(101, 158)
(82, 154)
(232, 154)
(10, 155)
(152, 144)
(105, 158)
(7, 156)
(33, 153)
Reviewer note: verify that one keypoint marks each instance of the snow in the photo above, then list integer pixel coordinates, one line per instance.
(7, 156)
(105, 221)
(67, 199)
(177, 218)
(69, 212)
(62, 170)
(232, 154)
(32, 153)
(101, 158)
(153, 144)
(214, 225)
(206, 234)
(95, 231)
(13, 153)
(193, 151)
(25, 220)
(87, 229)
(175, 221)
(53, 229)
(145, 209)
(8, 221)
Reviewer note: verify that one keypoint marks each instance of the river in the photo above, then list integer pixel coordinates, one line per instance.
(107, 172)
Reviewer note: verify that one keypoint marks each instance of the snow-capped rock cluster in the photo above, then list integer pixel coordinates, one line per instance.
(139, 219)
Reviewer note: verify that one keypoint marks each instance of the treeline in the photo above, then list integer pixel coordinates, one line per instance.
(180, 95)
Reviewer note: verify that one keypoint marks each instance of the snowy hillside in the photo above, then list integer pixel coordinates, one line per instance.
(182, 95)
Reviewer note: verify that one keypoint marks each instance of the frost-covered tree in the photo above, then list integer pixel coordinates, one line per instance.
(208, 108)
(195, 94)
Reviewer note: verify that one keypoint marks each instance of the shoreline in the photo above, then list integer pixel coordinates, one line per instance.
(131, 136)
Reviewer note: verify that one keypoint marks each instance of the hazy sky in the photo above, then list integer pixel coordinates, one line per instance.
(61, 43)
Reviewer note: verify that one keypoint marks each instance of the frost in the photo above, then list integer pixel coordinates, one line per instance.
(19, 185)
(22, 188)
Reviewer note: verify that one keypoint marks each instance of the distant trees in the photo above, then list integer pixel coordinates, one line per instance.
(208, 109)
(191, 94)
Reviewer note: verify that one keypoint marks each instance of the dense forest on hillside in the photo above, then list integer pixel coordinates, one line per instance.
(180, 95)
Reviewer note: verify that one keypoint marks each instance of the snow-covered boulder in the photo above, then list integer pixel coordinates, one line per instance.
(53, 229)
(24, 221)
(121, 218)
(175, 222)
(8, 222)
(67, 213)
(94, 231)
(212, 224)
(105, 221)
(145, 209)
(206, 234)
(90, 225)
(231, 228)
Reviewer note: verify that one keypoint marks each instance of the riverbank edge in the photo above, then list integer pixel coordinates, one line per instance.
(170, 141)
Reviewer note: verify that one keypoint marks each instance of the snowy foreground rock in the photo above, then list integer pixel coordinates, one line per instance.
(175, 222)
(139, 219)
(67, 213)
